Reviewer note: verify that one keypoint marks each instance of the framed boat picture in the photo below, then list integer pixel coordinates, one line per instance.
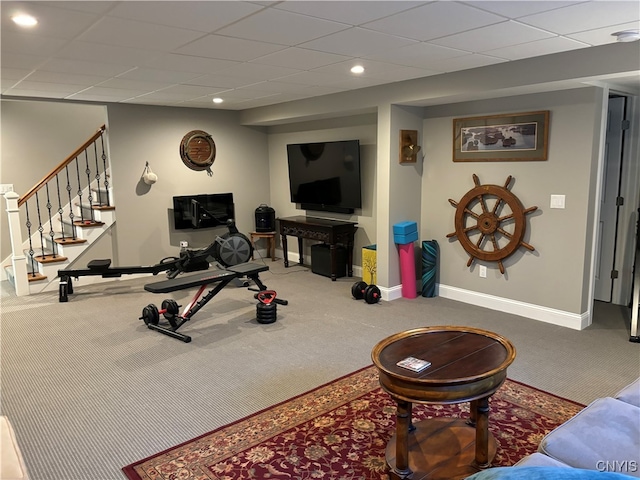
(511, 137)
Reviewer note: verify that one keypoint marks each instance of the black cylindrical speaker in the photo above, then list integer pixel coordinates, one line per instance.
(265, 218)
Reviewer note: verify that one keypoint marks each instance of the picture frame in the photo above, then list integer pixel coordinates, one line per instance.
(511, 137)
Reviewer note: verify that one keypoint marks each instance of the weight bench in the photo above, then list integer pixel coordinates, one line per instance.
(221, 278)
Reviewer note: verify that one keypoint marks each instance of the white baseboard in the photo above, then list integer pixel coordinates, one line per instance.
(528, 310)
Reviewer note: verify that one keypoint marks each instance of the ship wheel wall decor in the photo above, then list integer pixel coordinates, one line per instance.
(490, 222)
(198, 151)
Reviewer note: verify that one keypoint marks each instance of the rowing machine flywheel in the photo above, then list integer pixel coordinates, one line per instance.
(232, 249)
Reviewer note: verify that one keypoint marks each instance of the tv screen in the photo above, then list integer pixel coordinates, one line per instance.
(202, 211)
(325, 176)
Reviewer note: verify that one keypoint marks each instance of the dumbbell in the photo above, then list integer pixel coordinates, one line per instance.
(151, 314)
(370, 293)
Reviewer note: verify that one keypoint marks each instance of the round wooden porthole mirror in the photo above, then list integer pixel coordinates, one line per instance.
(198, 150)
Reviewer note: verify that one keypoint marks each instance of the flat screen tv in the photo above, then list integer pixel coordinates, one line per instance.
(325, 176)
(202, 211)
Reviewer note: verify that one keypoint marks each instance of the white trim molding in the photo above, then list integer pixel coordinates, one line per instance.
(528, 310)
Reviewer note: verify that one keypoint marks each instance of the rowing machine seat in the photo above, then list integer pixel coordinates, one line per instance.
(99, 264)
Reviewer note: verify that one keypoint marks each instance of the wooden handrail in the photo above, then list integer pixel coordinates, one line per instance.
(32, 191)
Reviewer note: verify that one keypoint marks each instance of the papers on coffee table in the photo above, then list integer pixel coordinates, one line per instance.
(413, 364)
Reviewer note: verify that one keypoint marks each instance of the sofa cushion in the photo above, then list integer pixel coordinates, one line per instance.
(630, 393)
(11, 462)
(604, 436)
(545, 473)
(538, 459)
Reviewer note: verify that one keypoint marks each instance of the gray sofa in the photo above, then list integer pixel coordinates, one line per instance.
(601, 442)
(604, 436)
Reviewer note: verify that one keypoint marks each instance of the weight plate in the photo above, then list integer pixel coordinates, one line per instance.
(372, 294)
(150, 314)
(357, 290)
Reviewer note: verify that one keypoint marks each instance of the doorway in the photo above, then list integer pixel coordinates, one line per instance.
(610, 200)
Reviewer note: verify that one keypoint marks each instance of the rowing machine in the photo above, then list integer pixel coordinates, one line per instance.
(221, 278)
(230, 249)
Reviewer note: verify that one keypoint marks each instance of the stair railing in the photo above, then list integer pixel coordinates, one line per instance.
(79, 174)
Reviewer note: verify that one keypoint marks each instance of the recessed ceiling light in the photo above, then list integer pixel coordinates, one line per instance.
(24, 20)
(627, 35)
(217, 100)
(357, 69)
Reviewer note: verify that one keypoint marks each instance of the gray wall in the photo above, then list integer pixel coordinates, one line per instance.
(138, 134)
(36, 137)
(362, 128)
(551, 276)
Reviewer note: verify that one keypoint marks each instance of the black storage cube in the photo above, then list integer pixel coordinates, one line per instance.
(321, 260)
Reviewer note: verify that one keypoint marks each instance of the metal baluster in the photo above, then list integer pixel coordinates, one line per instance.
(54, 249)
(73, 227)
(79, 191)
(60, 210)
(89, 197)
(104, 166)
(31, 251)
(40, 227)
(95, 153)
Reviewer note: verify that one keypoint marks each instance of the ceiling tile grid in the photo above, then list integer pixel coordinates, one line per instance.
(253, 53)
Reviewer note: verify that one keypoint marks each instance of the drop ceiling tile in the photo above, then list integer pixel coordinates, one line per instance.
(91, 52)
(14, 73)
(494, 36)
(300, 58)
(399, 74)
(15, 60)
(466, 62)
(30, 44)
(53, 22)
(120, 93)
(130, 33)
(357, 42)
(198, 15)
(309, 78)
(420, 55)
(191, 90)
(279, 26)
(275, 86)
(519, 8)
(349, 12)
(258, 72)
(222, 81)
(20, 92)
(601, 36)
(245, 94)
(166, 97)
(189, 63)
(434, 21)
(126, 84)
(99, 7)
(343, 69)
(157, 75)
(82, 67)
(585, 16)
(227, 48)
(537, 48)
(95, 97)
(66, 77)
(49, 87)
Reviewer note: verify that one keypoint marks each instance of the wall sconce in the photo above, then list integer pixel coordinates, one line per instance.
(409, 147)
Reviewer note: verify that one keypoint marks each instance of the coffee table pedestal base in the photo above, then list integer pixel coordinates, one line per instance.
(440, 449)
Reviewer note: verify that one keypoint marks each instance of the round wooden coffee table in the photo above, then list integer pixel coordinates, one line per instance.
(467, 365)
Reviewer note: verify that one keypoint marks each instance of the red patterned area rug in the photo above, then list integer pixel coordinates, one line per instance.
(339, 431)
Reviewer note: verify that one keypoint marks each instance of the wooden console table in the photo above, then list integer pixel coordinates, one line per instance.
(328, 231)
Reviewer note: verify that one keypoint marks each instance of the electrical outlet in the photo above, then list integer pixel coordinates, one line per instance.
(184, 244)
(483, 271)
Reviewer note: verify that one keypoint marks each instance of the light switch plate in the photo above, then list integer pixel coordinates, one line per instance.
(557, 201)
(6, 187)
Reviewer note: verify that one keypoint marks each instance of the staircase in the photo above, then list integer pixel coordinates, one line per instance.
(63, 216)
